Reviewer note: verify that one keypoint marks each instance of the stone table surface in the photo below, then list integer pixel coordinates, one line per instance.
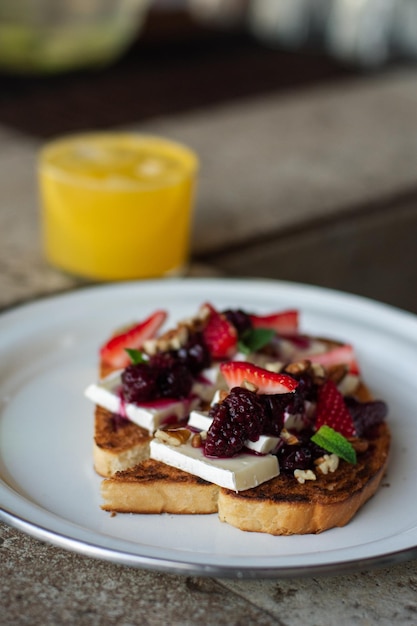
(317, 187)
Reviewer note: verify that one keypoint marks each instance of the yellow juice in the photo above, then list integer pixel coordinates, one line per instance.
(117, 205)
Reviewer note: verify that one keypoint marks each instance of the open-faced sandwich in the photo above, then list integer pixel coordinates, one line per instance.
(240, 414)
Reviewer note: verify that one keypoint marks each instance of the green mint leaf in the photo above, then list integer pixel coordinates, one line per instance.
(136, 356)
(254, 339)
(335, 443)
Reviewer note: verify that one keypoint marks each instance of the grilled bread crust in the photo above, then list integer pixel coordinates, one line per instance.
(283, 506)
(118, 443)
(153, 487)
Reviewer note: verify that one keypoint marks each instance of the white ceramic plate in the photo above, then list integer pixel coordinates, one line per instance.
(48, 355)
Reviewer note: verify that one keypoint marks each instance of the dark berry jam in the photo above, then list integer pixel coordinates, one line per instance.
(247, 415)
(144, 382)
(240, 320)
(139, 382)
(195, 354)
(167, 374)
(299, 455)
(175, 381)
(238, 418)
(366, 415)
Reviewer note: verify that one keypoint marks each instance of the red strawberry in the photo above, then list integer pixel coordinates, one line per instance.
(339, 354)
(219, 334)
(282, 322)
(235, 372)
(332, 410)
(114, 353)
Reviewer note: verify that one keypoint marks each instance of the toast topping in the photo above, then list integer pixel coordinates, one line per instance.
(237, 473)
(289, 395)
(267, 407)
(113, 353)
(303, 475)
(173, 436)
(266, 382)
(149, 415)
(334, 442)
(327, 463)
(332, 410)
(220, 335)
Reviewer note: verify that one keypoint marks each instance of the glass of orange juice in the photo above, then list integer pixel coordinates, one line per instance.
(117, 206)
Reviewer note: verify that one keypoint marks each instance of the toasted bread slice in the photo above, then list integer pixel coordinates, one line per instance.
(283, 506)
(118, 443)
(153, 487)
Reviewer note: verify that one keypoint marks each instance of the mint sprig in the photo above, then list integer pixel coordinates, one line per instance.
(254, 339)
(136, 356)
(335, 443)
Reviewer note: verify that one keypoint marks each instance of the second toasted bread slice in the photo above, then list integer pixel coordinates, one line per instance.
(118, 443)
(153, 487)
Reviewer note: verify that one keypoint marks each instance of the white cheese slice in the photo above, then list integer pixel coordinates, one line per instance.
(238, 473)
(265, 444)
(200, 420)
(148, 415)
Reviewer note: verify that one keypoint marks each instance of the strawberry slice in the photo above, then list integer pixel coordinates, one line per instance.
(343, 354)
(332, 410)
(219, 334)
(236, 372)
(114, 354)
(282, 322)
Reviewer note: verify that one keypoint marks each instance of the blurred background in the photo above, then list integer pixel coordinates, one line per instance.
(303, 112)
(145, 53)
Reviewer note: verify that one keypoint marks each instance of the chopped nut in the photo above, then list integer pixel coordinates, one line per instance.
(246, 384)
(289, 438)
(337, 372)
(319, 373)
(196, 323)
(274, 366)
(179, 338)
(204, 313)
(196, 440)
(327, 463)
(223, 395)
(303, 475)
(349, 384)
(174, 437)
(173, 339)
(359, 445)
(297, 367)
(150, 347)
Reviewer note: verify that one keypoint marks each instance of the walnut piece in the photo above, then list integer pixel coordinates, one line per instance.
(289, 438)
(297, 367)
(327, 463)
(246, 384)
(303, 475)
(174, 437)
